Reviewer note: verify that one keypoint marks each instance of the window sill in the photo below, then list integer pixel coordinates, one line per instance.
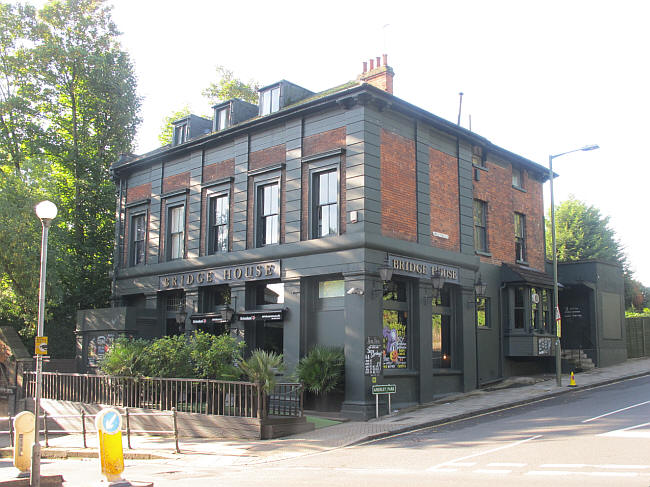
(447, 372)
(519, 188)
(486, 328)
(484, 254)
(482, 168)
(522, 262)
(400, 372)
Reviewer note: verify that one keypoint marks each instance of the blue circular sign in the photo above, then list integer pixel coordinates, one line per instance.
(111, 422)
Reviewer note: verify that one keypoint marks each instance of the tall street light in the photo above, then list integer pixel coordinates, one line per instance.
(46, 211)
(558, 355)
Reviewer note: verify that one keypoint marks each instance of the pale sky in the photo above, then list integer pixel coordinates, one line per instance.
(539, 77)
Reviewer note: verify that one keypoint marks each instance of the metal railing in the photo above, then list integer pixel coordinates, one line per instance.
(87, 419)
(204, 396)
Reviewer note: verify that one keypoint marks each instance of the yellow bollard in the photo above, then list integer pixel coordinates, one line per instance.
(109, 430)
(572, 382)
(23, 442)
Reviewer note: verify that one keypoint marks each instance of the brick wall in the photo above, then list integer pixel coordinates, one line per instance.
(135, 193)
(220, 170)
(445, 210)
(495, 188)
(176, 182)
(317, 144)
(138, 193)
(266, 157)
(398, 187)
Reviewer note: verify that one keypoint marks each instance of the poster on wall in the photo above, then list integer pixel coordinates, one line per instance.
(395, 340)
(373, 355)
(97, 348)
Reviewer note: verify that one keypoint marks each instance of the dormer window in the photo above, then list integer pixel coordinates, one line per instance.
(222, 118)
(270, 100)
(180, 133)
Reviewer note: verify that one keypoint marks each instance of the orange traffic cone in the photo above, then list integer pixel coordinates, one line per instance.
(572, 382)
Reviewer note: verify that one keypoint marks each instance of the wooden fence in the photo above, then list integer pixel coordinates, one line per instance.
(638, 337)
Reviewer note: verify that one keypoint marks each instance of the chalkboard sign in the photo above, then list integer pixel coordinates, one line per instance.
(372, 358)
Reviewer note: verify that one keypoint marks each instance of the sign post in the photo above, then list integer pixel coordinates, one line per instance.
(378, 389)
(111, 456)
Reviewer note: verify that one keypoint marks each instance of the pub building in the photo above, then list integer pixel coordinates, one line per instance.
(347, 218)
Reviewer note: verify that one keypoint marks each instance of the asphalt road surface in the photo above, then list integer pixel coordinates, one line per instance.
(595, 437)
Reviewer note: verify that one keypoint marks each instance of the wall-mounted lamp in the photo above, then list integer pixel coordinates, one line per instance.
(181, 316)
(385, 274)
(480, 288)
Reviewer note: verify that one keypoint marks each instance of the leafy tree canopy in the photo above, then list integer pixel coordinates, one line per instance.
(167, 129)
(227, 87)
(68, 109)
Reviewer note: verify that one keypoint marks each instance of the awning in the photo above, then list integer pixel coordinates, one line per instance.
(262, 315)
(511, 274)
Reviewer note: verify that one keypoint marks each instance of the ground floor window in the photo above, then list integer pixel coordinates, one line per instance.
(395, 325)
(172, 303)
(482, 312)
(442, 330)
(530, 308)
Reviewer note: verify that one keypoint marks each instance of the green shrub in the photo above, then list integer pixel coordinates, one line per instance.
(125, 358)
(322, 369)
(169, 356)
(261, 368)
(214, 357)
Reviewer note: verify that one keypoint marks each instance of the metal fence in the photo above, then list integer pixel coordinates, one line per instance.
(204, 396)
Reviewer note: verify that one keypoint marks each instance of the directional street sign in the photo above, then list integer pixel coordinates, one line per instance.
(384, 389)
(41, 346)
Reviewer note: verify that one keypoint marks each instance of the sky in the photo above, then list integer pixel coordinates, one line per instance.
(538, 77)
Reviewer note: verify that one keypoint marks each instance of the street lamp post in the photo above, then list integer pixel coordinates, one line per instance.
(558, 354)
(46, 211)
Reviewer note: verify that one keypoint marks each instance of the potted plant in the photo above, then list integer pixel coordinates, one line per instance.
(322, 372)
(261, 368)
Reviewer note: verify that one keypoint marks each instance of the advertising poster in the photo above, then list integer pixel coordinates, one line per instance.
(395, 340)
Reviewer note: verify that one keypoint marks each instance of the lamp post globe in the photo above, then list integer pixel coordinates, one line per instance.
(46, 210)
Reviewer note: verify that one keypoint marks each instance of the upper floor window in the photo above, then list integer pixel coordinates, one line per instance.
(480, 226)
(326, 209)
(270, 100)
(222, 118)
(218, 221)
(520, 237)
(517, 177)
(176, 232)
(180, 133)
(268, 214)
(477, 156)
(138, 235)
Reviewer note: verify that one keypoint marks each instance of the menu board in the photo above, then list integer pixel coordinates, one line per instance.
(372, 358)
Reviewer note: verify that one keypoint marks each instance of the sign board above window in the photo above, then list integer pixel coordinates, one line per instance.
(422, 269)
(256, 271)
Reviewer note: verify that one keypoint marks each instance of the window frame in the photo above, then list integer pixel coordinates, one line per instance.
(480, 226)
(520, 237)
(260, 228)
(133, 242)
(273, 93)
(170, 234)
(317, 205)
(213, 226)
(217, 118)
(517, 177)
(181, 131)
(484, 303)
(478, 159)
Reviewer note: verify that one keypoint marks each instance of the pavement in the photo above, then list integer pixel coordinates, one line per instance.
(214, 452)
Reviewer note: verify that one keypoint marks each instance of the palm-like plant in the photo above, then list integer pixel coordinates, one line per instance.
(322, 369)
(261, 368)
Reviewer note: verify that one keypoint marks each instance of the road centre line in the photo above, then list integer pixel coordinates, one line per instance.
(617, 411)
(506, 464)
(585, 465)
(474, 455)
(493, 471)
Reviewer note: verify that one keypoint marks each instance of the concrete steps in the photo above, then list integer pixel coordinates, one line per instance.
(578, 360)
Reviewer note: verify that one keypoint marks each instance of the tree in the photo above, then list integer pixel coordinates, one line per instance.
(227, 87)
(583, 233)
(68, 109)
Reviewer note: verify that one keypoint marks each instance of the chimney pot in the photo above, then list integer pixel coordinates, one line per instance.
(385, 56)
(372, 64)
(378, 62)
(365, 67)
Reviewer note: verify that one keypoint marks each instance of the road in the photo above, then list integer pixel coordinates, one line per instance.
(599, 436)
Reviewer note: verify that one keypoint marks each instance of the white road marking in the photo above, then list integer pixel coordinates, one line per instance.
(563, 465)
(626, 433)
(506, 464)
(462, 464)
(493, 471)
(474, 455)
(590, 474)
(614, 412)
(585, 465)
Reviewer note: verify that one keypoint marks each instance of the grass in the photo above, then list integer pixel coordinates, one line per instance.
(321, 422)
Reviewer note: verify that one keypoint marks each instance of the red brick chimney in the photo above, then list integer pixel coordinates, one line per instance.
(380, 76)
